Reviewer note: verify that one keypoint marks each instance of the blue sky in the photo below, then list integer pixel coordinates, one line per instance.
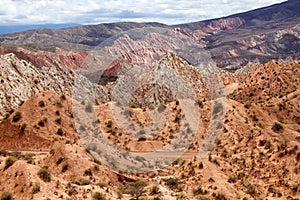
(20, 12)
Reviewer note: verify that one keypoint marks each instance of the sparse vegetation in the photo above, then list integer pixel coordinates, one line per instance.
(6, 196)
(277, 127)
(172, 183)
(136, 189)
(41, 103)
(35, 188)
(154, 190)
(60, 132)
(23, 127)
(247, 105)
(44, 174)
(81, 181)
(43, 122)
(65, 167)
(98, 196)
(88, 172)
(59, 160)
(10, 161)
(58, 120)
(17, 117)
(109, 124)
(63, 97)
(220, 196)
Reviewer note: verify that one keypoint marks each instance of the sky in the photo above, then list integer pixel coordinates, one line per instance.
(24, 12)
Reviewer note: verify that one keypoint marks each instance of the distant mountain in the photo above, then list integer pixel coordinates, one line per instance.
(18, 28)
(259, 35)
(77, 37)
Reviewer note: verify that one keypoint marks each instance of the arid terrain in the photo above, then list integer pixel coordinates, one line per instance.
(236, 116)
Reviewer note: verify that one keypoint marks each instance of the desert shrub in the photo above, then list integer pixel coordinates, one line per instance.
(17, 117)
(59, 160)
(232, 179)
(60, 132)
(22, 127)
(6, 196)
(220, 196)
(135, 189)
(9, 161)
(52, 151)
(298, 156)
(247, 105)
(57, 112)
(65, 167)
(109, 124)
(63, 97)
(58, 120)
(41, 103)
(43, 122)
(277, 127)
(154, 190)
(98, 196)
(59, 104)
(198, 190)
(88, 172)
(35, 188)
(44, 174)
(172, 183)
(133, 105)
(81, 181)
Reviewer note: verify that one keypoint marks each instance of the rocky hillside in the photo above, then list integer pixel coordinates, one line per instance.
(259, 138)
(20, 80)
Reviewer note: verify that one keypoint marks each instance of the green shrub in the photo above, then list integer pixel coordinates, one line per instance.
(6, 196)
(44, 174)
(135, 189)
(109, 124)
(154, 190)
(247, 105)
(98, 196)
(35, 188)
(81, 181)
(10, 161)
(17, 117)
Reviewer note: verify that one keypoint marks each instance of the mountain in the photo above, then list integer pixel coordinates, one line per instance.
(18, 28)
(254, 36)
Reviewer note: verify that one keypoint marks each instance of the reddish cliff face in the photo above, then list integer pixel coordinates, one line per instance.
(68, 59)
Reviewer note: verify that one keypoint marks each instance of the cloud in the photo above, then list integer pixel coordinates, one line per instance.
(16, 12)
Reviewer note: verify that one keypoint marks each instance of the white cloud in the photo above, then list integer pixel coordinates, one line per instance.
(14, 12)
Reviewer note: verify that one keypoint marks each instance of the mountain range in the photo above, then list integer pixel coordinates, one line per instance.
(254, 36)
